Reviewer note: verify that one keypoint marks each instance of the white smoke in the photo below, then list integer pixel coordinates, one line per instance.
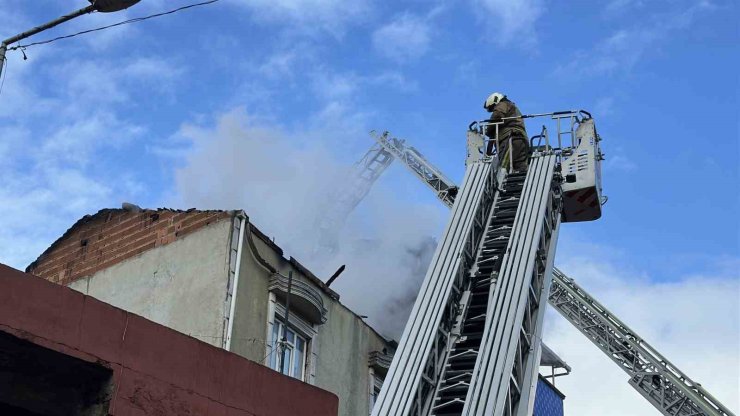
(282, 179)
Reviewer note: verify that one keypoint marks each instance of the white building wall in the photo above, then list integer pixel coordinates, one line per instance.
(181, 285)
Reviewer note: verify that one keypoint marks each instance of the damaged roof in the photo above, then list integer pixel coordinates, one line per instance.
(126, 207)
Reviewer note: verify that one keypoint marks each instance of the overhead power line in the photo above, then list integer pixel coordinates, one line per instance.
(125, 22)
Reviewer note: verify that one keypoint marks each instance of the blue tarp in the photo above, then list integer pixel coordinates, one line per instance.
(547, 401)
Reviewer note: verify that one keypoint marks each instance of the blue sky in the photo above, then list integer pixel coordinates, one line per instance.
(254, 104)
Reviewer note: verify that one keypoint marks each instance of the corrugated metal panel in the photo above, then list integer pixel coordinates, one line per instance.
(547, 401)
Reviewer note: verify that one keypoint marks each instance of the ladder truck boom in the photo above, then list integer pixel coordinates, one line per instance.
(348, 195)
(367, 170)
(659, 381)
(473, 340)
(419, 166)
(652, 375)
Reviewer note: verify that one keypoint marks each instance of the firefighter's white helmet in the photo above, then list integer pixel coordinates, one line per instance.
(492, 100)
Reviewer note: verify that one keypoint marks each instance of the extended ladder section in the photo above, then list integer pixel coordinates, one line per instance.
(657, 379)
(419, 166)
(457, 357)
(506, 370)
(458, 369)
(345, 198)
(412, 379)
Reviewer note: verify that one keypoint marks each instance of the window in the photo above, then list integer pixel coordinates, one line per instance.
(297, 350)
(376, 383)
(293, 351)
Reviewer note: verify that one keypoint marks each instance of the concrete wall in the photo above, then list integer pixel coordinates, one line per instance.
(341, 348)
(155, 371)
(344, 344)
(249, 336)
(181, 285)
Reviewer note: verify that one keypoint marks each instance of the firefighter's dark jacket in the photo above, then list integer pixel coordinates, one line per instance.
(515, 127)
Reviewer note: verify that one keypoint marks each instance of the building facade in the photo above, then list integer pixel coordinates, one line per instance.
(63, 353)
(216, 277)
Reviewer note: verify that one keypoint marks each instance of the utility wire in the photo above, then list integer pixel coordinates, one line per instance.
(125, 22)
(273, 349)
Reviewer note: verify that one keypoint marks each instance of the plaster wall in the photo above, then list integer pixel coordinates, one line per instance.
(249, 337)
(181, 285)
(340, 349)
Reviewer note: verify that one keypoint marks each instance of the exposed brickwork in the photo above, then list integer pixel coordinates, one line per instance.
(101, 240)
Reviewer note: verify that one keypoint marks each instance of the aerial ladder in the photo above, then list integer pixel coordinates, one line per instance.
(348, 195)
(365, 172)
(472, 344)
(483, 354)
(659, 381)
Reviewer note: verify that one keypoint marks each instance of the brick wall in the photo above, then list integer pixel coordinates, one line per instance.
(113, 235)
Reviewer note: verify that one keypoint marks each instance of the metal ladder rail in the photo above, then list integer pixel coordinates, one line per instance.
(434, 362)
(451, 389)
(672, 392)
(498, 382)
(345, 199)
(419, 166)
(658, 362)
(415, 368)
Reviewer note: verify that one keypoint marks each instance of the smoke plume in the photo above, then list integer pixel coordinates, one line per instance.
(282, 179)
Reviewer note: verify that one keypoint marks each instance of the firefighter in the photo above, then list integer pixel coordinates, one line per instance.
(500, 108)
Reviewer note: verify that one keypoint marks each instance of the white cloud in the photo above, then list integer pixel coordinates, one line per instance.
(622, 6)
(37, 206)
(468, 72)
(330, 86)
(78, 141)
(510, 21)
(279, 65)
(405, 38)
(393, 79)
(309, 15)
(604, 106)
(692, 320)
(620, 163)
(61, 123)
(626, 47)
(106, 81)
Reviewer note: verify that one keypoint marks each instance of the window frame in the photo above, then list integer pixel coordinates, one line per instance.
(375, 383)
(300, 327)
(279, 325)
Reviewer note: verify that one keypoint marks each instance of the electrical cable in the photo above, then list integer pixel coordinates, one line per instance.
(125, 22)
(273, 349)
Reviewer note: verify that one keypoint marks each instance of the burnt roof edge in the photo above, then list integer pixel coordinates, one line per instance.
(105, 211)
